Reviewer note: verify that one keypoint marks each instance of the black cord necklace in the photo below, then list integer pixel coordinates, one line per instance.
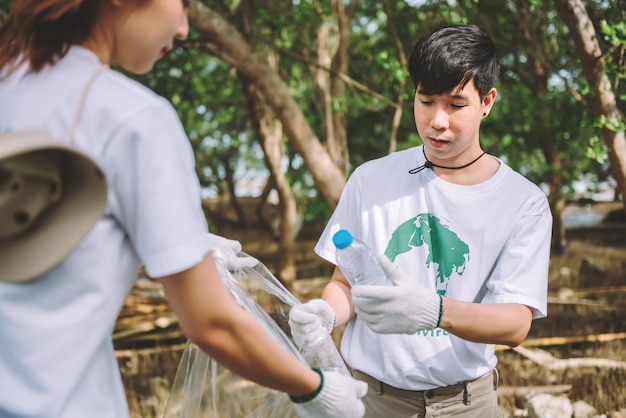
(430, 164)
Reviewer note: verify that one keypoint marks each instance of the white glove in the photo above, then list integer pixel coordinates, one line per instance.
(228, 252)
(311, 322)
(405, 308)
(340, 397)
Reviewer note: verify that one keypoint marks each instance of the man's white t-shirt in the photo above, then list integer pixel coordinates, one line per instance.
(56, 355)
(484, 243)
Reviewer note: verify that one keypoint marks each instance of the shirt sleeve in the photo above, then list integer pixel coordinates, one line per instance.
(521, 272)
(345, 216)
(156, 192)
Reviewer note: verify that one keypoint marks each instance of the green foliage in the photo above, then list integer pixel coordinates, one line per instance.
(613, 30)
(206, 94)
(538, 125)
(5, 6)
(614, 34)
(616, 125)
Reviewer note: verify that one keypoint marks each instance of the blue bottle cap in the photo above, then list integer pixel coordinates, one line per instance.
(342, 239)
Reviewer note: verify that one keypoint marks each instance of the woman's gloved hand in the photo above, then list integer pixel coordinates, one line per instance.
(311, 322)
(339, 396)
(228, 252)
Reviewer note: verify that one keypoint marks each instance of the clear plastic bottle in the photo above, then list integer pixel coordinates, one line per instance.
(357, 262)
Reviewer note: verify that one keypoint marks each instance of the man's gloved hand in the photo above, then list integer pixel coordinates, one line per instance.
(340, 397)
(402, 309)
(311, 322)
(228, 252)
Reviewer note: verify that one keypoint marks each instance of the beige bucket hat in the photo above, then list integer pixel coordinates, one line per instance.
(51, 195)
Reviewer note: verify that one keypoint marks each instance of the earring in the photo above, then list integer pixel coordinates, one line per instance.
(485, 114)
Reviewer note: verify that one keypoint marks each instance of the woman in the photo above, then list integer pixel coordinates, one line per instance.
(56, 355)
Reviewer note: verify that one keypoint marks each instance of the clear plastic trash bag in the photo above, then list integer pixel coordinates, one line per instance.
(204, 388)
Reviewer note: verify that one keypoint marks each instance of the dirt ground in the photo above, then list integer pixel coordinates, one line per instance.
(587, 303)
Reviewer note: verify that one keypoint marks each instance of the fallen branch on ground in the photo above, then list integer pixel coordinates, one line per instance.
(542, 342)
(526, 390)
(547, 360)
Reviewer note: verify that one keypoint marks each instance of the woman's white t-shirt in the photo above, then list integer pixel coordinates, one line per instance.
(56, 354)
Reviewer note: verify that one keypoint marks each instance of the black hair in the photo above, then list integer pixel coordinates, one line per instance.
(452, 56)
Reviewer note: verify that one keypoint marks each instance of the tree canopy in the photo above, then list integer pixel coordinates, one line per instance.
(332, 75)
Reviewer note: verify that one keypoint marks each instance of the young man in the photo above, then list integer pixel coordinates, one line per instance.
(465, 240)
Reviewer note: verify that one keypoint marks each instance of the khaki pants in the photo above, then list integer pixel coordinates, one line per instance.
(474, 399)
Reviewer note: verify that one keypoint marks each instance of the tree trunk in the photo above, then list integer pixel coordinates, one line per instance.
(333, 37)
(261, 210)
(397, 114)
(324, 97)
(227, 43)
(269, 131)
(339, 65)
(581, 28)
(230, 185)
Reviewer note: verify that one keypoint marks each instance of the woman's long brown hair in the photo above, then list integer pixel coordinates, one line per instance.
(41, 31)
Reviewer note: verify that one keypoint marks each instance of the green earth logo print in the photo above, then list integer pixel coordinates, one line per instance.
(445, 249)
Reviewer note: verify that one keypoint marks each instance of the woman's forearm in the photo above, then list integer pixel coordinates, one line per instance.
(210, 318)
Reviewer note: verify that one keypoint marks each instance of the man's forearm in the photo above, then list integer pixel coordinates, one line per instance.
(337, 295)
(507, 323)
